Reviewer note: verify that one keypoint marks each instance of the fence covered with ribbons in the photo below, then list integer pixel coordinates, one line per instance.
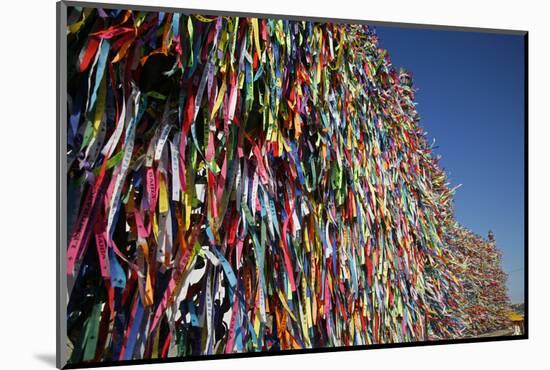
(242, 184)
(484, 297)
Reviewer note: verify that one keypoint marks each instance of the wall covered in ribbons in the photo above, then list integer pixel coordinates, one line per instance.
(247, 184)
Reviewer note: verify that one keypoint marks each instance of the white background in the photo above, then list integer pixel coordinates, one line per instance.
(27, 170)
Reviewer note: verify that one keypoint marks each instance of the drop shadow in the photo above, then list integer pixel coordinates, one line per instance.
(46, 358)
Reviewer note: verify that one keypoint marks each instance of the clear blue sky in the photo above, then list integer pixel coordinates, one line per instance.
(470, 99)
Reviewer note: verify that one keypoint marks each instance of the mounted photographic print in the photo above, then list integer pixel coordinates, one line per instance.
(238, 184)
